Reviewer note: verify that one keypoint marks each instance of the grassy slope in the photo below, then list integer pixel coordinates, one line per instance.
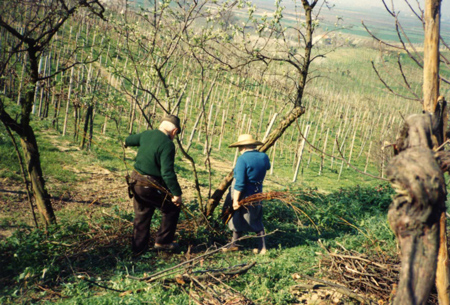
(94, 212)
(81, 183)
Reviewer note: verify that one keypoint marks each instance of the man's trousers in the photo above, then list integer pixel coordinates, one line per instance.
(146, 199)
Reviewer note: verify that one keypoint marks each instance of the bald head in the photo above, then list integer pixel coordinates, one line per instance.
(169, 129)
(167, 126)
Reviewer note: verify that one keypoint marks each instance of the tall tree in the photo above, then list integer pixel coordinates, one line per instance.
(272, 43)
(160, 63)
(417, 214)
(28, 28)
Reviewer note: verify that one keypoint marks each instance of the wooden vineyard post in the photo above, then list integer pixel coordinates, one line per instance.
(274, 148)
(300, 152)
(323, 152)
(351, 149)
(197, 121)
(368, 157)
(311, 151)
(342, 163)
(38, 87)
(66, 115)
(270, 126)
(24, 63)
(222, 128)
(336, 138)
(208, 133)
(239, 132)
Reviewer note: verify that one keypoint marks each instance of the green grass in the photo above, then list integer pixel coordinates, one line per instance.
(90, 245)
(91, 249)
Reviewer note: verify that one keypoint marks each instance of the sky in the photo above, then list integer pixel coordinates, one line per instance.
(399, 5)
(367, 5)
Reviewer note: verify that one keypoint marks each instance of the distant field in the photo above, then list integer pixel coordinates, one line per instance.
(377, 19)
(340, 195)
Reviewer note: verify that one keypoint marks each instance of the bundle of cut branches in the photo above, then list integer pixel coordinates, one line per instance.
(374, 273)
(228, 211)
(264, 196)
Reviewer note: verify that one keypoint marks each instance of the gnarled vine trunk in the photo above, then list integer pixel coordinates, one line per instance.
(414, 215)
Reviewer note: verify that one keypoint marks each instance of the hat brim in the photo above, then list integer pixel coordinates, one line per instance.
(246, 143)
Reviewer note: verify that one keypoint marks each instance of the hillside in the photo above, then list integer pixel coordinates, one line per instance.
(122, 74)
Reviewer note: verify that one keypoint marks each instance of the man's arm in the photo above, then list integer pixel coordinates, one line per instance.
(236, 196)
(239, 185)
(133, 140)
(168, 174)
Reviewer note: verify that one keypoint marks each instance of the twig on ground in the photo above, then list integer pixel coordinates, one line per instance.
(338, 288)
(150, 278)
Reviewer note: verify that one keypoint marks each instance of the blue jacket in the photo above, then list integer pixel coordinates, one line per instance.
(250, 172)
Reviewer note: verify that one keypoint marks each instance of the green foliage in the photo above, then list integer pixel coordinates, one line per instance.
(90, 250)
(352, 205)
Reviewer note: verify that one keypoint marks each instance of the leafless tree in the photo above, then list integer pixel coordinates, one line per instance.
(417, 213)
(263, 44)
(28, 28)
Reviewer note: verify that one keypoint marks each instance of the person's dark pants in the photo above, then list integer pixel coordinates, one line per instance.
(146, 200)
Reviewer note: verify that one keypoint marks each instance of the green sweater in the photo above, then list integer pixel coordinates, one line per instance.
(155, 157)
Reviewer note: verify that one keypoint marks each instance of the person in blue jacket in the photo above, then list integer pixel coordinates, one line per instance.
(249, 174)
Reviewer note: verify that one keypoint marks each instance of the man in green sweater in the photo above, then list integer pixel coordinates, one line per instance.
(154, 185)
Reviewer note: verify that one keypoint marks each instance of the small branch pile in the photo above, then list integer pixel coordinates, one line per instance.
(376, 275)
(212, 294)
(373, 274)
(203, 286)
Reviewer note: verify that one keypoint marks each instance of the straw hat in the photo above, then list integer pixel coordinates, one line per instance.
(244, 140)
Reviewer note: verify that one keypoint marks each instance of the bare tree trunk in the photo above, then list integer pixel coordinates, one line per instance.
(32, 160)
(430, 98)
(31, 157)
(24, 174)
(45, 26)
(431, 55)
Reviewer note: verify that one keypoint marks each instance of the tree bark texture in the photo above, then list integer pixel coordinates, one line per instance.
(430, 99)
(32, 160)
(213, 202)
(442, 269)
(30, 146)
(431, 55)
(414, 214)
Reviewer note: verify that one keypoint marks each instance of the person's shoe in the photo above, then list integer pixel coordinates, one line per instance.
(166, 247)
(230, 248)
(261, 252)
